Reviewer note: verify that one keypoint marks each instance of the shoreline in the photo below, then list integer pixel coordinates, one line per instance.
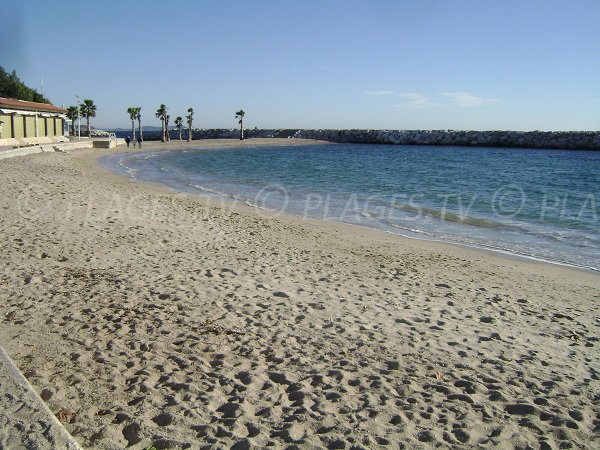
(161, 318)
(223, 144)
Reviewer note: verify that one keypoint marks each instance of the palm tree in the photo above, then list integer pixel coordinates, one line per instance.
(73, 115)
(88, 109)
(133, 112)
(167, 134)
(240, 115)
(179, 124)
(139, 119)
(189, 118)
(161, 113)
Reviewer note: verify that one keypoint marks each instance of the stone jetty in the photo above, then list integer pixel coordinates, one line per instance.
(585, 140)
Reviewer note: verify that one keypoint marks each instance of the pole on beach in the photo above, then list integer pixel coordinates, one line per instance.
(78, 119)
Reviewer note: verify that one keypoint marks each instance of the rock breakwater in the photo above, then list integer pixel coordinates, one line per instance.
(586, 140)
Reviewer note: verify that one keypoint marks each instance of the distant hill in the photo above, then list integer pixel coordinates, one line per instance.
(12, 87)
(144, 128)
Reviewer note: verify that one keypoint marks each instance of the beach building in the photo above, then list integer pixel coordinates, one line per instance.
(25, 123)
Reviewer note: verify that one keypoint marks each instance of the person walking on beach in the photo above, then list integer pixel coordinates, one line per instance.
(139, 140)
(127, 141)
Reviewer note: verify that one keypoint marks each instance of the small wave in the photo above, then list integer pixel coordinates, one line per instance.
(403, 228)
(490, 246)
(254, 205)
(213, 191)
(130, 171)
(452, 217)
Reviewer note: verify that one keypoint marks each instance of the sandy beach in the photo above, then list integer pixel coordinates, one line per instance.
(156, 318)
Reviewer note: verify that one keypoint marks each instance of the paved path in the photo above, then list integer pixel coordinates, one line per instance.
(25, 420)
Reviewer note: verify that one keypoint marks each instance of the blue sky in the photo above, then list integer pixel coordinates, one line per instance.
(420, 64)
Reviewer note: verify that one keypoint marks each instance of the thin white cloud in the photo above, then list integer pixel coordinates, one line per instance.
(411, 99)
(468, 100)
(415, 101)
(379, 93)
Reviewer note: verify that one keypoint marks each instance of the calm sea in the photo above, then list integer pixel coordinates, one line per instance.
(543, 204)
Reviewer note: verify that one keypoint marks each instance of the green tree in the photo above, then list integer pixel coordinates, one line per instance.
(133, 112)
(161, 113)
(179, 124)
(240, 115)
(87, 110)
(12, 87)
(73, 115)
(190, 118)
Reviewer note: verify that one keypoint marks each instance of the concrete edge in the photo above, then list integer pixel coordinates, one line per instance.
(20, 152)
(27, 421)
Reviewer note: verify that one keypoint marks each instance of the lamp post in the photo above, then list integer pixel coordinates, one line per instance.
(78, 119)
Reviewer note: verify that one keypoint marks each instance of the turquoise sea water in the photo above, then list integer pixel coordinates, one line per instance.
(543, 204)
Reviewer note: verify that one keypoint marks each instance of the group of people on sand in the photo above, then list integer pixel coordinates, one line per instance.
(128, 141)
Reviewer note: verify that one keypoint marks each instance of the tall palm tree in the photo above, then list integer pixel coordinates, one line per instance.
(73, 115)
(139, 119)
(161, 113)
(179, 124)
(88, 109)
(189, 118)
(133, 112)
(167, 134)
(240, 115)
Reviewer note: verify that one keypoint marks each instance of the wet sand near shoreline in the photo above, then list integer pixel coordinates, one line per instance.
(168, 319)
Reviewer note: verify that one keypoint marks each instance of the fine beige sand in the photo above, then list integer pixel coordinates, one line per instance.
(147, 317)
